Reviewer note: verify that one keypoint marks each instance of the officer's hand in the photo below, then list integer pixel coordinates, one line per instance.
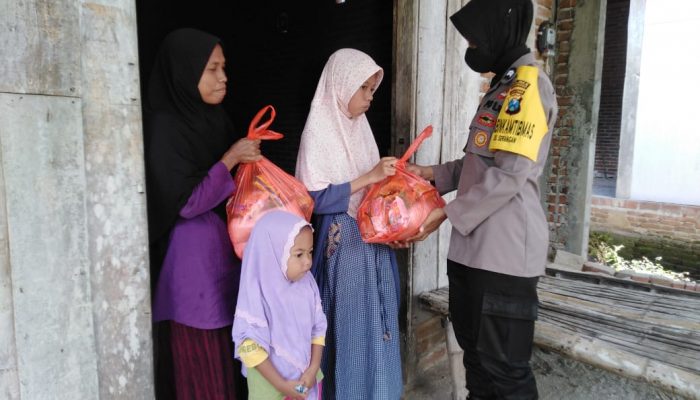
(431, 223)
(399, 244)
(424, 172)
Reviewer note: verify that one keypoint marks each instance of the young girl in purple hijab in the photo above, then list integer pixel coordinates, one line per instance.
(279, 328)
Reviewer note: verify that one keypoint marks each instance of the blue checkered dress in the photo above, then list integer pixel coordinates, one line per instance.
(362, 356)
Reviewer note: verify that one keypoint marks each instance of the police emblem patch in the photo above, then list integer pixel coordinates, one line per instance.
(487, 120)
(480, 138)
(515, 96)
(513, 106)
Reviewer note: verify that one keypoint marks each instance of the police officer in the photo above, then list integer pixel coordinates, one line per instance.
(499, 239)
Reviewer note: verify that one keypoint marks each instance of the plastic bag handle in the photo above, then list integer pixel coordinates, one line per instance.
(261, 131)
(414, 146)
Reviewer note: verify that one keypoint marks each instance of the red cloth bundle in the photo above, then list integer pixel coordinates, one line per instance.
(262, 186)
(395, 208)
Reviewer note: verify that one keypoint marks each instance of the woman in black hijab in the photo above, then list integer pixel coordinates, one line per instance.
(499, 240)
(190, 152)
(496, 32)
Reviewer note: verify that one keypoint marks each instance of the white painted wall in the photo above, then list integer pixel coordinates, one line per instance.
(666, 166)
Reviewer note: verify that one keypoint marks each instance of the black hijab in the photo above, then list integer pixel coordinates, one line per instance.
(184, 136)
(498, 28)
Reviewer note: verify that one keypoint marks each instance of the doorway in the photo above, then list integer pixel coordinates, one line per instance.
(275, 53)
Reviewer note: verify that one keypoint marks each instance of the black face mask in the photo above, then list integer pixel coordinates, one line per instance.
(479, 61)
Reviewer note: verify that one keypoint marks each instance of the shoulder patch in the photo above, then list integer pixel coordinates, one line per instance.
(481, 138)
(508, 76)
(486, 119)
(521, 123)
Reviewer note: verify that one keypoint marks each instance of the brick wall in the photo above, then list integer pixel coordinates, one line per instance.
(661, 220)
(614, 62)
(652, 229)
(556, 189)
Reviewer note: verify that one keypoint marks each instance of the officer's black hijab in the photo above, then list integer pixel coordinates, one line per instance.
(184, 136)
(498, 28)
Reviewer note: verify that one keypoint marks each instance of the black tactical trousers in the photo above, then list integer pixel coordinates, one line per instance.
(493, 316)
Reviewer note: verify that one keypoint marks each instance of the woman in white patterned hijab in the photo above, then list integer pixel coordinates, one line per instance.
(358, 281)
(337, 144)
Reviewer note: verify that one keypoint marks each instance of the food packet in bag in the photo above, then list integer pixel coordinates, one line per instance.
(261, 186)
(394, 208)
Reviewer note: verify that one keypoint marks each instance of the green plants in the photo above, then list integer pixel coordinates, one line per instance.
(600, 250)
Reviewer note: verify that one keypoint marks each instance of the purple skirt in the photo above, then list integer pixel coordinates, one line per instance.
(203, 365)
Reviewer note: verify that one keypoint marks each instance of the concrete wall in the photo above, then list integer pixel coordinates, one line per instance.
(578, 72)
(628, 123)
(74, 286)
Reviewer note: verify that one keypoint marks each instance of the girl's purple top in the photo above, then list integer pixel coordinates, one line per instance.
(198, 284)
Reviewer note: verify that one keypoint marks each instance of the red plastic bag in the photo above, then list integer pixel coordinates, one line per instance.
(262, 186)
(395, 208)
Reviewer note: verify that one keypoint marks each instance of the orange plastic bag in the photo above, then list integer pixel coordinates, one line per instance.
(395, 208)
(262, 186)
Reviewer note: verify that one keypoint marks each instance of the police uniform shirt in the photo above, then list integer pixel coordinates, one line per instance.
(497, 219)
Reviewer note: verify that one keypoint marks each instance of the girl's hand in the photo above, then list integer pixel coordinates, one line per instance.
(288, 389)
(243, 151)
(424, 172)
(385, 167)
(308, 378)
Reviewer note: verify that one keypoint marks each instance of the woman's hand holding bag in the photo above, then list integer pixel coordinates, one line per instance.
(262, 186)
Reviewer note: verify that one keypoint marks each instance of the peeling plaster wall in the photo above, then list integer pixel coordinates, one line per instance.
(74, 284)
(115, 204)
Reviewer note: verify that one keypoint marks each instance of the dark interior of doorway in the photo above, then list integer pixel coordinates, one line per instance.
(275, 52)
(607, 147)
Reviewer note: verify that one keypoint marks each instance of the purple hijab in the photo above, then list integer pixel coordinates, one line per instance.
(281, 316)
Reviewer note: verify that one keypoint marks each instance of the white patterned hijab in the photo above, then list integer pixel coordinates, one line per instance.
(336, 148)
